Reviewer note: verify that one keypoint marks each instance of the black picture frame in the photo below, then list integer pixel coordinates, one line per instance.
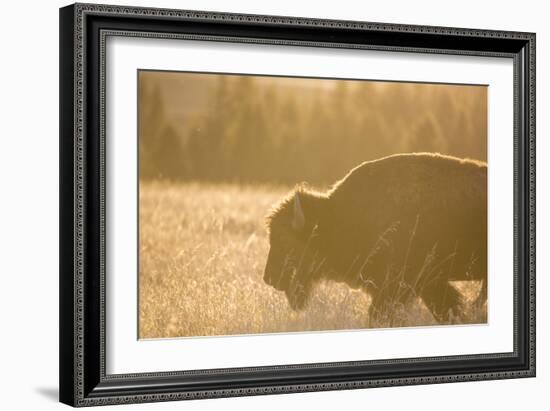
(83, 380)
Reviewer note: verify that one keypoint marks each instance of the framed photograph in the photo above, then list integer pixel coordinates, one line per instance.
(261, 204)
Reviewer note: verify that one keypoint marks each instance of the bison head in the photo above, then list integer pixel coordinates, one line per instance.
(293, 263)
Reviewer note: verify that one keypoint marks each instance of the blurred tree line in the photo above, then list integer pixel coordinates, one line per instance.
(284, 130)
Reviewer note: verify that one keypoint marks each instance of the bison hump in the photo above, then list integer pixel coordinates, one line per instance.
(413, 180)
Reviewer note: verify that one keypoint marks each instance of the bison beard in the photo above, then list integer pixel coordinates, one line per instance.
(399, 228)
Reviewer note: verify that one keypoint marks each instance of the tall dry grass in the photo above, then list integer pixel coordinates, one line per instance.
(202, 254)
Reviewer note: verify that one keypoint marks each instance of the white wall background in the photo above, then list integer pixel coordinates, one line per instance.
(29, 203)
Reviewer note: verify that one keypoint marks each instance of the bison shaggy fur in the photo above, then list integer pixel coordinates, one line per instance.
(399, 228)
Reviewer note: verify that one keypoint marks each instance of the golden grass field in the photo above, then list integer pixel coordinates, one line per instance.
(202, 254)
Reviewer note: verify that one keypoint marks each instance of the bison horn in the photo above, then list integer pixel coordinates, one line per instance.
(298, 220)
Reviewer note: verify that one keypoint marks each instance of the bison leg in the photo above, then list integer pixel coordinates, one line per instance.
(386, 305)
(442, 299)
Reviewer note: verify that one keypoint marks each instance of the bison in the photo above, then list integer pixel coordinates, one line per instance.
(400, 227)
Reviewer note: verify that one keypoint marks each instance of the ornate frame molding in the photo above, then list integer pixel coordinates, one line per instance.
(82, 337)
